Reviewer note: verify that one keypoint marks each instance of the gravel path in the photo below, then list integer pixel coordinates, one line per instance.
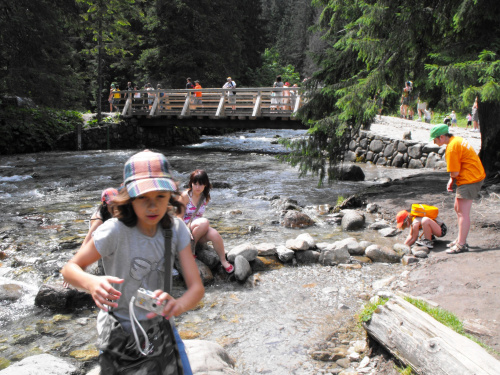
(394, 127)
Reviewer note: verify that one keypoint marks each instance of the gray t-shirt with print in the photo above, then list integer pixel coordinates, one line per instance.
(138, 259)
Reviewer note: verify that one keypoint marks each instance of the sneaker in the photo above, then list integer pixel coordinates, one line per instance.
(427, 243)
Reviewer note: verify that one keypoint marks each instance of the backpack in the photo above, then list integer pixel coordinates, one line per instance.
(423, 210)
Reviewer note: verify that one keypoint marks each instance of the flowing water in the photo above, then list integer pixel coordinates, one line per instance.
(46, 200)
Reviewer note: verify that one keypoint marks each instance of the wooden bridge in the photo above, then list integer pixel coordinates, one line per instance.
(249, 108)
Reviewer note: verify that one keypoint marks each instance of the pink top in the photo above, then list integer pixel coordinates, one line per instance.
(191, 208)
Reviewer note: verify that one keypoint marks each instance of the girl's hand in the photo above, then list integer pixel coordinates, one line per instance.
(103, 292)
(172, 308)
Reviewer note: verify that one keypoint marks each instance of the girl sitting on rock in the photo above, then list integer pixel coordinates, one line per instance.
(195, 200)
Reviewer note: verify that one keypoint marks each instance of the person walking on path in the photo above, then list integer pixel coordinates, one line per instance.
(467, 172)
(475, 116)
(197, 94)
(231, 96)
(195, 200)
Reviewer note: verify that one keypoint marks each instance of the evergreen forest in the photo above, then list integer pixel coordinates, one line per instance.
(64, 55)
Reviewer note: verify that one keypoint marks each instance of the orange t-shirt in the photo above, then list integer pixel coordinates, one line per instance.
(198, 93)
(461, 158)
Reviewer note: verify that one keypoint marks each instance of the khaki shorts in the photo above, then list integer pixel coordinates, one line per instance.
(469, 191)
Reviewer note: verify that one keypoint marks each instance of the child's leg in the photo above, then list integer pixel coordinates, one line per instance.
(218, 244)
(430, 227)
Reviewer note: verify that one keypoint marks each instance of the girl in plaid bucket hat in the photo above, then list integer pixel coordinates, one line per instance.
(132, 247)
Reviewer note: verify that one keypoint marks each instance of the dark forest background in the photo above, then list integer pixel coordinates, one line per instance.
(354, 51)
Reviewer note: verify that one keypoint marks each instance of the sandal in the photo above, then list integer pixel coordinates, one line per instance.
(457, 248)
(453, 243)
(229, 269)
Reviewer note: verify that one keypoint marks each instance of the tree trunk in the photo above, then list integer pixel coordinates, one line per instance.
(489, 123)
(426, 345)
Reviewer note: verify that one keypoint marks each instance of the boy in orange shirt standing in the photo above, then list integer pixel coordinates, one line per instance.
(467, 172)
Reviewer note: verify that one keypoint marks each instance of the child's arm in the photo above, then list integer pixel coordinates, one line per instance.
(95, 223)
(413, 235)
(99, 287)
(184, 199)
(194, 292)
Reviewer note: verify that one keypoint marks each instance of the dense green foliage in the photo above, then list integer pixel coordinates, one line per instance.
(33, 130)
(449, 49)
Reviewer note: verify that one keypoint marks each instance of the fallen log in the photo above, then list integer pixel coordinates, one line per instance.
(429, 347)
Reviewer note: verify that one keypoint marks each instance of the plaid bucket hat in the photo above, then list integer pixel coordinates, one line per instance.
(108, 195)
(147, 171)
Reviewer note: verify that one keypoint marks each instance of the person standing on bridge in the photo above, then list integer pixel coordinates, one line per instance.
(197, 94)
(231, 95)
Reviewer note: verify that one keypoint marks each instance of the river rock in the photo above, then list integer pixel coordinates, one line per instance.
(207, 357)
(57, 297)
(265, 264)
(334, 256)
(45, 364)
(415, 152)
(376, 146)
(10, 292)
(285, 254)
(415, 164)
(307, 256)
(409, 259)
(242, 268)
(372, 208)
(208, 256)
(308, 238)
(401, 249)
(294, 219)
(381, 224)
(266, 249)
(432, 160)
(205, 273)
(352, 246)
(382, 254)
(353, 220)
(388, 232)
(350, 172)
(417, 248)
(296, 244)
(247, 250)
(365, 244)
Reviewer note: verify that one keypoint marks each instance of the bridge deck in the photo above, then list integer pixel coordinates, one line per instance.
(263, 103)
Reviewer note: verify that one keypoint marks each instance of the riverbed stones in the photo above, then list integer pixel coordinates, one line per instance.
(409, 259)
(388, 232)
(285, 254)
(350, 172)
(376, 146)
(371, 208)
(382, 254)
(334, 256)
(295, 219)
(297, 244)
(266, 249)
(10, 292)
(247, 250)
(351, 245)
(242, 268)
(352, 220)
(401, 249)
(381, 224)
(45, 364)
(311, 243)
(307, 256)
(57, 297)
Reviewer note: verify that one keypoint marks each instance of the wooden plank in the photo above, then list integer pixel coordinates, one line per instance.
(426, 345)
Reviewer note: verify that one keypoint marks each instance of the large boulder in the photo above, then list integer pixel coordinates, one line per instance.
(350, 172)
(353, 220)
(295, 219)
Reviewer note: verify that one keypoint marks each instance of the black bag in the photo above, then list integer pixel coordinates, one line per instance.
(120, 355)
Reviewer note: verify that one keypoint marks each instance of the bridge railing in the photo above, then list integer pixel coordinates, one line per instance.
(213, 102)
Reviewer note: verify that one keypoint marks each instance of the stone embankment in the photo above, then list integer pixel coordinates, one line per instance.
(403, 143)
